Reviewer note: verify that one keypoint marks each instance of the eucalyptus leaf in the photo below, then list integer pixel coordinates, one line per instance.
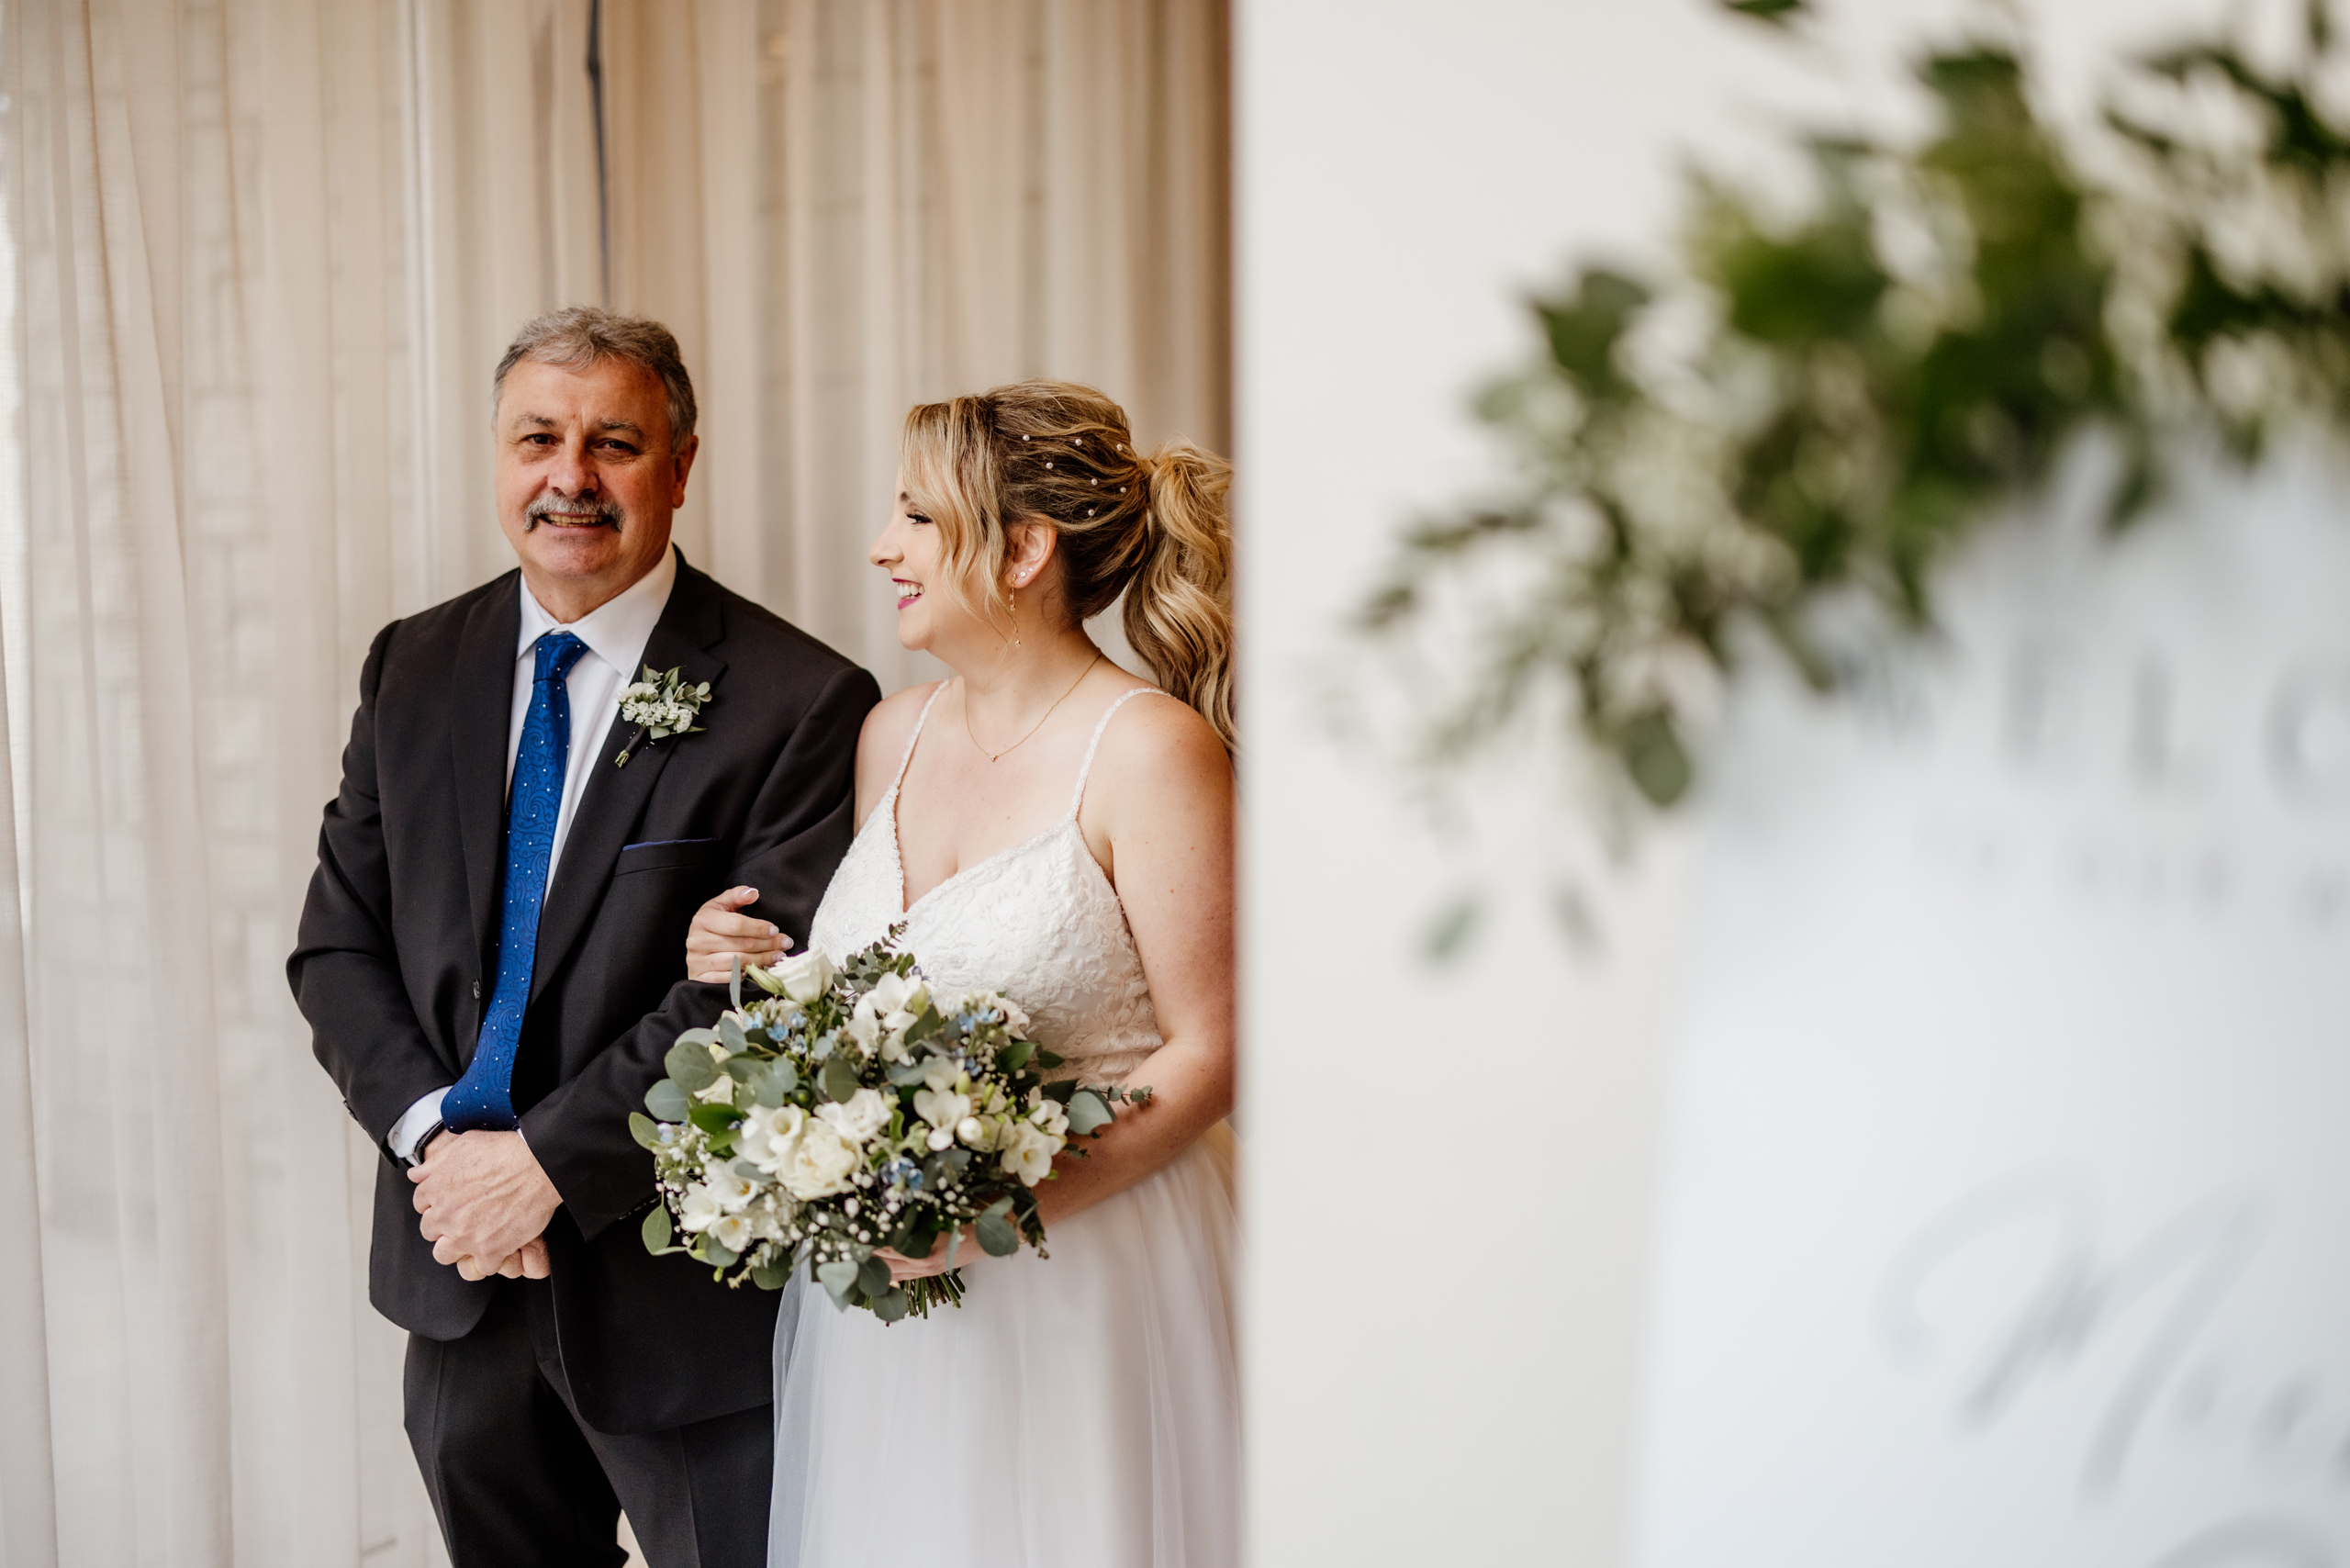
(770, 1276)
(996, 1235)
(645, 1130)
(730, 1035)
(890, 1306)
(925, 1027)
(698, 1037)
(691, 1067)
(667, 1102)
(1087, 1112)
(839, 1079)
(839, 1277)
(715, 1118)
(715, 1252)
(658, 1231)
(873, 1277)
(784, 1076)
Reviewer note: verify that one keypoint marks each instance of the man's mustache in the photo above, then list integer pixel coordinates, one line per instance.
(578, 510)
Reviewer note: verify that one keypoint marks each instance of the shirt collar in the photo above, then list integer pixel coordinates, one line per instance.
(615, 631)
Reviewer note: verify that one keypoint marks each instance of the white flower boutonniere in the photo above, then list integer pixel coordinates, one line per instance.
(660, 705)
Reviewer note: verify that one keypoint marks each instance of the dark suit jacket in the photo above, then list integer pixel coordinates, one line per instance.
(402, 918)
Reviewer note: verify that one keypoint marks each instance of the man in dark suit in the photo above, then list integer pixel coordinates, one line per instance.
(492, 958)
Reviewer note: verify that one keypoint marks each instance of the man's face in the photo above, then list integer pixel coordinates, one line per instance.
(587, 483)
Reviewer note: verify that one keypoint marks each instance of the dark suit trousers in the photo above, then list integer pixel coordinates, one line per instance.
(518, 1479)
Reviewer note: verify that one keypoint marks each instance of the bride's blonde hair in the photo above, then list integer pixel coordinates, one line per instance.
(1154, 528)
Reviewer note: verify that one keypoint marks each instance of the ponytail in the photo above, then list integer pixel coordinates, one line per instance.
(1179, 602)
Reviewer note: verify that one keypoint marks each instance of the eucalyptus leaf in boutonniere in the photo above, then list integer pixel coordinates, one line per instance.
(660, 705)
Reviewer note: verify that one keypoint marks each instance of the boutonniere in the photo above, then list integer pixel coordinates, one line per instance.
(660, 705)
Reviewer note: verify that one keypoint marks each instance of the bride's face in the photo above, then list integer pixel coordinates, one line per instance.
(910, 552)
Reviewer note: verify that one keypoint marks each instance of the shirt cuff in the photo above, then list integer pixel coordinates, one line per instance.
(414, 1123)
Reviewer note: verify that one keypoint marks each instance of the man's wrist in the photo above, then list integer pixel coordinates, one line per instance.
(422, 1149)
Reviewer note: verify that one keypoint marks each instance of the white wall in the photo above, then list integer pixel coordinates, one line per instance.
(1450, 1379)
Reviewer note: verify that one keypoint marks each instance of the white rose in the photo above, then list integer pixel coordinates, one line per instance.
(1028, 1153)
(1051, 1116)
(733, 1233)
(820, 1163)
(700, 1210)
(765, 1137)
(941, 1107)
(806, 976)
(858, 1117)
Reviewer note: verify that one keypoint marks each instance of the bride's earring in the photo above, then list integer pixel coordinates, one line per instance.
(1015, 615)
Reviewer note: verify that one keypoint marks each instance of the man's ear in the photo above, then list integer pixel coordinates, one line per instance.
(684, 459)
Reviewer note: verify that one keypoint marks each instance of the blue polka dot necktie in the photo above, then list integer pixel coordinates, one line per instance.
(482, 1098)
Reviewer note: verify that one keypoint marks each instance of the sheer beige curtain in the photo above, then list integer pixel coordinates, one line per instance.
(259, 258)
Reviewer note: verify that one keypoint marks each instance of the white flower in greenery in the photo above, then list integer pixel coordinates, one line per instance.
(939, 1139)
(978, 1132)
(807, 976)
(1014, 1019)
(865, 1028)
(733, 1233)
(939, 1073)
(719, 1090)
(700, 1208)
(1028, 1153)
(766, 1136)
(1051, 1116)
(858, 1117)
(732, 1190)
(819, 1164)
(942, 1108)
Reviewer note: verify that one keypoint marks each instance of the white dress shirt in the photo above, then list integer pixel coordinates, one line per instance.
(615, 633)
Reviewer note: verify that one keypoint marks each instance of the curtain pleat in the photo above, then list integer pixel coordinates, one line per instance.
(260, 257)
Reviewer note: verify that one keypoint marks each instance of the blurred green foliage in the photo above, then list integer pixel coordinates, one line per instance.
(1819, 407)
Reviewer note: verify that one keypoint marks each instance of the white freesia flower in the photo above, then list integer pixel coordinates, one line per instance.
(821, 1162)
(1014, 1019)
(939, 1139)
(865, 1028)
(1051, 1116)
(766, 1136)
(807, 976)
(732, 1190)
(700, 1209)
(858, 1117)
(1028, 1153)
(940, 1072)
(977, 1132)
(898, 999)
(941, 1108)
(733, 1233)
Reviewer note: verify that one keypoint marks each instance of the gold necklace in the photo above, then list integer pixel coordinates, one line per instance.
(996, 756)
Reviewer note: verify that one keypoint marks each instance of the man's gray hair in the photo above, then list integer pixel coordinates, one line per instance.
(577, 336)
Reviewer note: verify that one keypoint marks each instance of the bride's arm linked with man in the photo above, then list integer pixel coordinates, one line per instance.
(490, 961)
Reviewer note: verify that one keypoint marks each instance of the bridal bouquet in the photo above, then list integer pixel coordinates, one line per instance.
(847, 1110)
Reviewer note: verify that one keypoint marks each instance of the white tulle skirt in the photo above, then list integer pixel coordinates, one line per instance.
(1077, 1410)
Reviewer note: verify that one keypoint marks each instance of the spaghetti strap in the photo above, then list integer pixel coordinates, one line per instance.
(1086, 767)
(921, 718)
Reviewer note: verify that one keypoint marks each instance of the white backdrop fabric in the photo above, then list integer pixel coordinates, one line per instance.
(260, 257)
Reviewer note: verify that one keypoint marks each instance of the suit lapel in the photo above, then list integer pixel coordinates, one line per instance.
(614, 800)
(481, 702)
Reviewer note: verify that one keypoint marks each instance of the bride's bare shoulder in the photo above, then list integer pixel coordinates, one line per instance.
(1156, 747)
(887, 727)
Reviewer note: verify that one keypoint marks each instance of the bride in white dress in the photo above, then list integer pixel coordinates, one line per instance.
(1052, 827)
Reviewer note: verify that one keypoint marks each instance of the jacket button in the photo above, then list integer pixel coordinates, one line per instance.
(476, 991)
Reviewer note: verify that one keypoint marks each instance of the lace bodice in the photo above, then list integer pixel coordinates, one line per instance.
(1038, 921)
